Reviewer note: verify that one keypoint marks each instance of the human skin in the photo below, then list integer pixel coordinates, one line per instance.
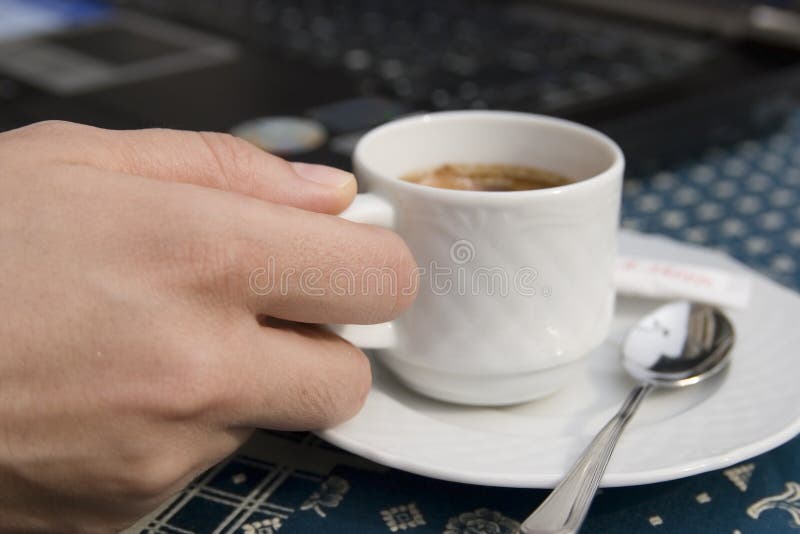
(134, 353)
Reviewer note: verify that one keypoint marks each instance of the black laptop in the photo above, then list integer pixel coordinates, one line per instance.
(658, 76)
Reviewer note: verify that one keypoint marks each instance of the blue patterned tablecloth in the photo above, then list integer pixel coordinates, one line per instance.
(742, 199)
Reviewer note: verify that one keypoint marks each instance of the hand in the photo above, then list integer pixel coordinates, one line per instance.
(133, 352)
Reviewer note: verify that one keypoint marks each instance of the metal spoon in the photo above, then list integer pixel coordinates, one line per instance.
(677, 345)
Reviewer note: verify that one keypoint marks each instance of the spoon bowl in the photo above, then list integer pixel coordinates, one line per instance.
(679, 344)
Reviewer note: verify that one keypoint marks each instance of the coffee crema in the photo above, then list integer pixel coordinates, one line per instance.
(486, 177)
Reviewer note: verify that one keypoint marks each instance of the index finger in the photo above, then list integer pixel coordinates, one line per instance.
(304, 266)
(207, 159)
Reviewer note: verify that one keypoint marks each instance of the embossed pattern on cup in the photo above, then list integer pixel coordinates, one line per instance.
(478, 333)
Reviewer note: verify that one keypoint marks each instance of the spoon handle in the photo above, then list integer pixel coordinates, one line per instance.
(565, 508)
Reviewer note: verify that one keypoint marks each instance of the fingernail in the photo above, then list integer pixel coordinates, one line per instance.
(322, 174)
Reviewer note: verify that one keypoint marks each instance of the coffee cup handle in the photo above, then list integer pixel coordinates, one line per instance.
(369, 208)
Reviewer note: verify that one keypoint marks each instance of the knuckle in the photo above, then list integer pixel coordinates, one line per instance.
(147, 477)
(195, 384)
(51, 126)
(49, 129)
(234, 160)
(137, 469)
(56, 130)
(182, 376)
(215, 259)
(226, 264)
(237, 263)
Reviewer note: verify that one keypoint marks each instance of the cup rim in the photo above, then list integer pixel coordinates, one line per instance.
(616, 167)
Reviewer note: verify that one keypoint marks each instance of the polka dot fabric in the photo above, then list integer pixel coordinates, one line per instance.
(742, 199)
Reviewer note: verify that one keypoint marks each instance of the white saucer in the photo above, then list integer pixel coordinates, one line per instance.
(751, 408)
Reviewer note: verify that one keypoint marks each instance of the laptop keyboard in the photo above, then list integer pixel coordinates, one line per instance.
(453, 54)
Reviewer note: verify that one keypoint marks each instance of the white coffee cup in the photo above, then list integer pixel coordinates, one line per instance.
(530, 289)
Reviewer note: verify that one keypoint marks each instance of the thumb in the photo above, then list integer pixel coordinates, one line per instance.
(208, 159)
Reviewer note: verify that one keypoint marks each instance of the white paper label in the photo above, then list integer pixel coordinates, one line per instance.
(669, 280)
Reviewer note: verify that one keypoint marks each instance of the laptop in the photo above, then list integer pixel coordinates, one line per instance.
(658, 77)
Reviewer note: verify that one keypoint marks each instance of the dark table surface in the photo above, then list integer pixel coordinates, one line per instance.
(741, 198)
